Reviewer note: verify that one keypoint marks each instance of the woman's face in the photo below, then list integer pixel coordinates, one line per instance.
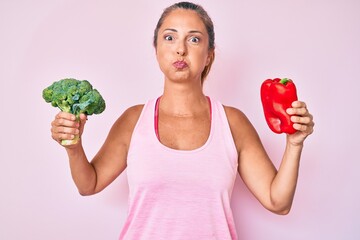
(183, 46)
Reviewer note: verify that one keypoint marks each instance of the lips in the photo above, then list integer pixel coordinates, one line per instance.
(180, 65)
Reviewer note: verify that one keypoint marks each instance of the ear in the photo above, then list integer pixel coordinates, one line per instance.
(210, 57)
(156, 53)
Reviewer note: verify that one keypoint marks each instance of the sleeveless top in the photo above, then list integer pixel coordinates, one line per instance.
(180, 194)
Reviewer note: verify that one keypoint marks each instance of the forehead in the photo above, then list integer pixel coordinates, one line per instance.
(184, 18)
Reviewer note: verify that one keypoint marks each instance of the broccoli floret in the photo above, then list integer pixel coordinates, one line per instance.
(74, 96)
(84, 87)
(90, 103)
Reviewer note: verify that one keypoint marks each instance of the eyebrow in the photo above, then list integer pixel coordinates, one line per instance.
(174, 30)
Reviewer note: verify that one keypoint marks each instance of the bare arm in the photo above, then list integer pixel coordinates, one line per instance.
(109, 162)
(273, 188)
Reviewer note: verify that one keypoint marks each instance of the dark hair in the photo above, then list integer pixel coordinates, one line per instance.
(206, 20)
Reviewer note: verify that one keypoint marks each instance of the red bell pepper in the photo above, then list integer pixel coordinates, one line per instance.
(277, 95)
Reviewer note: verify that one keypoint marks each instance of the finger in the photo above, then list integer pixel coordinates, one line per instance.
(63, 136)
(64, 127)
(308, 129)
(62, 133)
(297, 111)
(83, 119)
(303, 120)
(65, 130)
(61, 126)
(64, 122)
(298, 104)
(66, 115)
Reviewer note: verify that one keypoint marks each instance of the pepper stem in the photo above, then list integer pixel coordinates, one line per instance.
(284, 81)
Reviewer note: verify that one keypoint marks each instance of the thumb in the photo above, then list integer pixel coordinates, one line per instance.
(83, 119)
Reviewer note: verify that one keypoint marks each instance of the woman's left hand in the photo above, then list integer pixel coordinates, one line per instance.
(303, 122)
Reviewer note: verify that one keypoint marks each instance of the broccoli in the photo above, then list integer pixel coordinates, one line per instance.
(76, 97)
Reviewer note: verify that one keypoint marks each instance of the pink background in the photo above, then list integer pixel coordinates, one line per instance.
(314, 42)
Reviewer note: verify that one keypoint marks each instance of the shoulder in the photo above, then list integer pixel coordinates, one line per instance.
(121, 131)
(130, 116)
(123, 126)
(241, 128)
(133, 111)
(235, 116)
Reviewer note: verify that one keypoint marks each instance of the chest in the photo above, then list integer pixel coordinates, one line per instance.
(161, 171)
(195, 153)
(184, 133)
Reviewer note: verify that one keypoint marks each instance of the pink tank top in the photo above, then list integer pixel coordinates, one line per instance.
(180, 194)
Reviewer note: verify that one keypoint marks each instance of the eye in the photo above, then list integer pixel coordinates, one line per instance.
(194, 39)
(168, 38)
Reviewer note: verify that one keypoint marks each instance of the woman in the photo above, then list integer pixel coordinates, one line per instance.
(183, 150)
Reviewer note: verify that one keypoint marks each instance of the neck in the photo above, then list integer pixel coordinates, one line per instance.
(183, 99)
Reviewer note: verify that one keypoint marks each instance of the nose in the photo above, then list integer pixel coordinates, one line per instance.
(181, 49)
(181, 52)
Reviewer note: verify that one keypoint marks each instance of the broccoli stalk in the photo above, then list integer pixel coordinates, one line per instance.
(76, 97)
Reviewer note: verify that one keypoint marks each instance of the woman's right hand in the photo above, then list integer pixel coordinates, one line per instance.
(65, 127)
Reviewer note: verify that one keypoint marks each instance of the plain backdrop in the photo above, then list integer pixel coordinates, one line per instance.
(109, 42)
